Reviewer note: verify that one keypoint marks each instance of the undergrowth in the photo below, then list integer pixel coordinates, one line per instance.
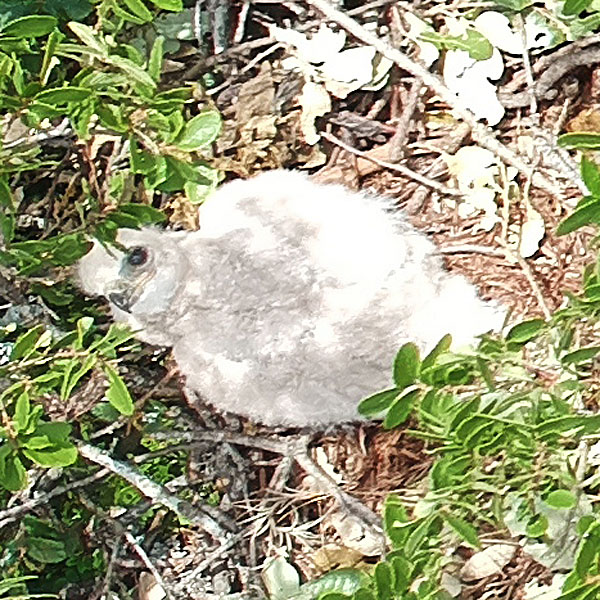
(95, 139)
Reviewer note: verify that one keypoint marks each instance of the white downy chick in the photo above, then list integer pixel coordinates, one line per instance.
(291, 301)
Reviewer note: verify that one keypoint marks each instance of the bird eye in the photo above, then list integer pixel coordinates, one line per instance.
(137, 256)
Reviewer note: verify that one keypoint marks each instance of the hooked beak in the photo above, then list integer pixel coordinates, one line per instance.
(121, 300)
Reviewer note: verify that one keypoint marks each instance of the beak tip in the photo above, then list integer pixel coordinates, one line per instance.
(121, 300)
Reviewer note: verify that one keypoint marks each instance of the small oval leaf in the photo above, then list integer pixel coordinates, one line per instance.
(587, 214)
(579, 140)
(406, 365)
(401, 408)
(30, 26)
(117, 393)
(580, 355)
(377, 403)
(563, 499)
(199, 131)
(525, 331)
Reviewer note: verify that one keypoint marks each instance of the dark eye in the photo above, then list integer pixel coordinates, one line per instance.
(137, 256)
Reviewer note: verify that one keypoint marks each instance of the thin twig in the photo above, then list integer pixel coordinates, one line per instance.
(104, 587)
(157, 493)
(295, 447)
(533, 105)
(516, 257)
(471, 249)
(258, 58)
(121, 531)
(398, 141)
(12, 514)
(438, 187)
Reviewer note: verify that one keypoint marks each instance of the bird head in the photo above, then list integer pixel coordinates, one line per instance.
(141, 277)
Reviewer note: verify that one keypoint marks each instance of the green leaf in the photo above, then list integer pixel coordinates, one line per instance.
(63, 95)
(199, 131)
(525, 331)
(364, 594)
(395, 518)
(440, 348)
(22, 411)
(406, 365)
(514, 5)
(584, 524)
(37, 442)
(13, 475)
(588, 551)
(132, 70)
(90, 38)
(66, 249)
(30, 27)
(56, 431)
(45, 550)
(173, 5)
(583, 424)
(71, 379)
(473, 42)
(49, 61)
(422, 533)
(592, 291)
(590, 172)
(138, 8)
(76, 10)
(537, 526)
(384, 581)
(587, 591)
(486, 373)
(449, 471)
(84, 324)
(377, 403)
(58, 455)
(561, 499)
(575, 7)
(156, 58)
(25, 343)
(476, 44)
(401, 408)
(341, 581)
(143, 213)
(465, 530)
(117, 393)
(126, 15)
(579, 140)
(142, 162)
(589, 213)
(198, 192)
(580, 355)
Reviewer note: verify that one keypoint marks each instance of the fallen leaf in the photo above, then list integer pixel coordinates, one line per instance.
(469, 79)
(280, 578)
(487, 562)
(354, 534)
(315, 49)
(532, 232)
(348, 71)
(334, 556)
(315, 102)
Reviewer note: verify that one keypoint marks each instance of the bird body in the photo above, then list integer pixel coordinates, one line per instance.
(290, 302)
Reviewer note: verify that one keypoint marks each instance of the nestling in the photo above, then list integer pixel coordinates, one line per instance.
(291, 301)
